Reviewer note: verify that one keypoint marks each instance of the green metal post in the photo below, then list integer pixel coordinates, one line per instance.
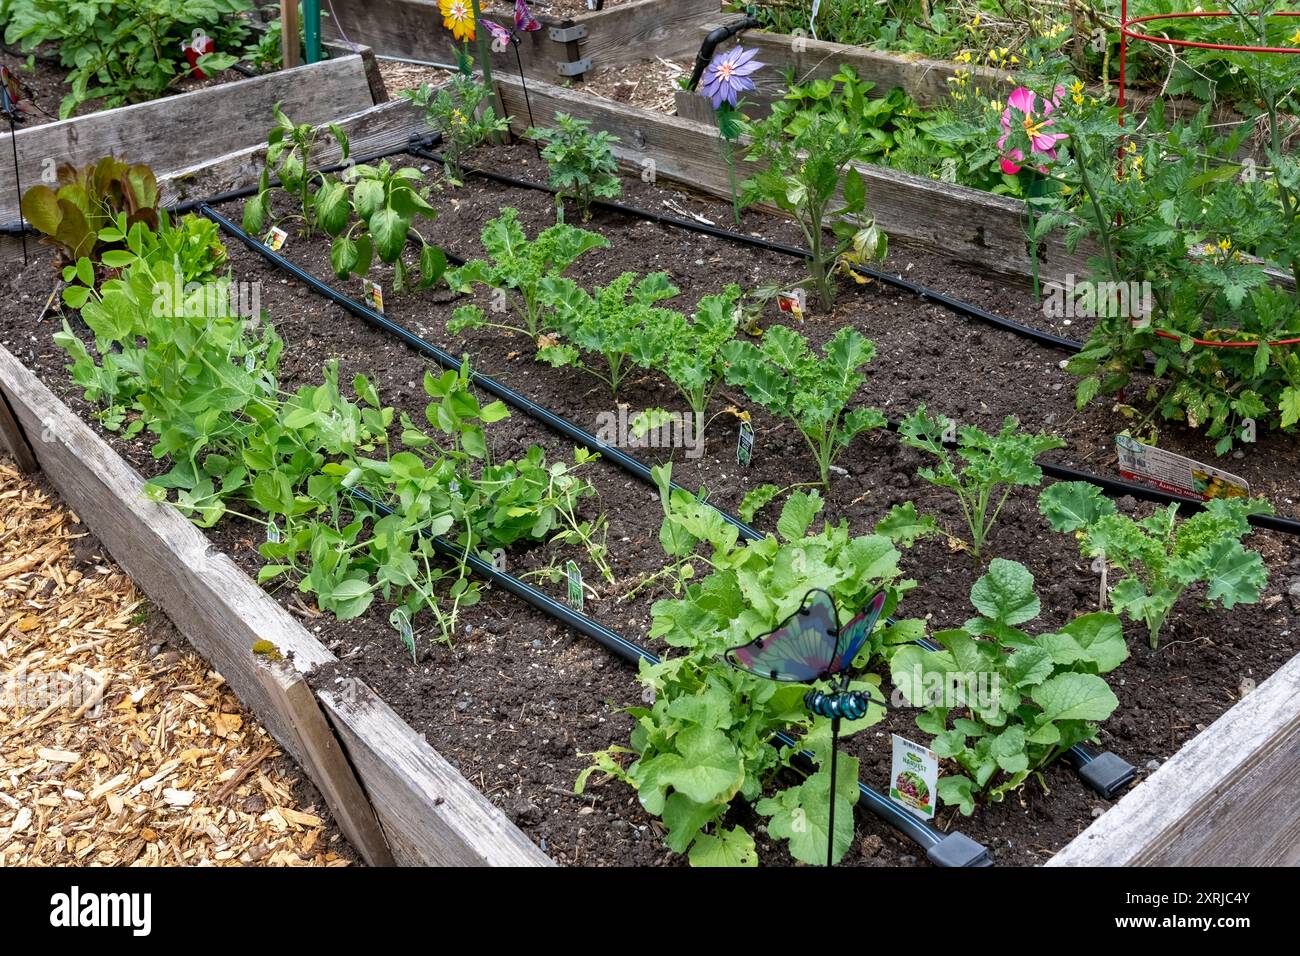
(311, 29)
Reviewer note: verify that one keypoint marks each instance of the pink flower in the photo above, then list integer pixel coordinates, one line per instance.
(1034, 112)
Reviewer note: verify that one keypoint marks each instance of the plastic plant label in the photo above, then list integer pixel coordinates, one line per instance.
(574, 575)
(914, 777)
(1175, 474)
(374, 294)
(276, 238)
(401, 622)
(745, 445)
(273, 533)
(792, 302)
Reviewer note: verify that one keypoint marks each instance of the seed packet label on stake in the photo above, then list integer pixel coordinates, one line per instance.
(745, 445)
(574, 575)
(273, 533)
(276, 238)
(792, 302)
(1175, 474)
(374, 293)
(914, 777)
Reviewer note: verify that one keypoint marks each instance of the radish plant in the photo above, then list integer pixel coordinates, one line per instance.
(1161, 556)
(1003, 704)
(704, 741)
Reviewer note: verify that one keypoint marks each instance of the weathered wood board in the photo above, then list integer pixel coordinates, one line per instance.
(627, 33)
(964, 224)
(178, 131)
(1227, 798)
(429, 813)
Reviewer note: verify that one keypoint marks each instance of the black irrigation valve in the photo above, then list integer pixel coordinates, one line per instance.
(958, 850)
(1105, 772)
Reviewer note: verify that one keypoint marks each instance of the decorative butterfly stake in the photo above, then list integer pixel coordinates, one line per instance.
(810, 646)
(12, 105)
(503, 37)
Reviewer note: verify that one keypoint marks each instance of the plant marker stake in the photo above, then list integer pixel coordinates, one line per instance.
(10, 108)
(830, 827)
(527, 102)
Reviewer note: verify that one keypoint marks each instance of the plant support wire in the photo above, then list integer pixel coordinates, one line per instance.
(1117, 772)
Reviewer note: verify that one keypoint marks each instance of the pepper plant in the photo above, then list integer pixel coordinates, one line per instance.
(705, 739)
(1004, 705)
(983, 469)
(812, 391)
(1161, 556)
(516, 272)
(808, 145)
(290, 155)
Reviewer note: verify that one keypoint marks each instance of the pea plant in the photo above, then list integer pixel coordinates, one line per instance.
(705, 740)
(789, 379)
(582, 163)
(516, 271)
(1159, 557)
(620, 323)
(983, 469)
(1003, 704)
(808, 145)
(461, 110)
(349, 517)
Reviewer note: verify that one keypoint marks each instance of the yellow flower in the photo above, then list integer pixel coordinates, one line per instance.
(1295, 38)
(1225, 244)
(458, 17)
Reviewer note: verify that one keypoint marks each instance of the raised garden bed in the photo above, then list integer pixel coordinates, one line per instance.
(538, 696)
(573, 41)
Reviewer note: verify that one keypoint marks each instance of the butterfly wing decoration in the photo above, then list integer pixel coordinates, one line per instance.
(11, 96)
(855, 633)
(802, 649)
(524, 19)
(502, 34)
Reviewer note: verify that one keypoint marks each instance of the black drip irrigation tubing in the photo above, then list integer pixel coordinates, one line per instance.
(953, 849)
(1108, 774)
(1111, 486)
(947, 850)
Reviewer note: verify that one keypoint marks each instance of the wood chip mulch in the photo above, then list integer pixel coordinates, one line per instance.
(110, 756)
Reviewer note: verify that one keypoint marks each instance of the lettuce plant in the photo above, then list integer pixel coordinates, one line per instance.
(620, 323)
(516, 272)
(705, 740)
(1161, 556)
(89, 200)
(1008, 704)
(812, 391)
(985, 469)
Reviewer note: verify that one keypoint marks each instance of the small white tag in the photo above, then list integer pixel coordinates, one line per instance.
(574, 575)
(745, 445)
(276, 238)
(914, 777)
(1174, 473)
(272, 532)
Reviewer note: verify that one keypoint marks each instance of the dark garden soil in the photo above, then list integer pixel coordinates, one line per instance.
(519, 698)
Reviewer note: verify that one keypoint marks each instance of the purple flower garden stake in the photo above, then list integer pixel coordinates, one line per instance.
(728, 76)
(725, 79)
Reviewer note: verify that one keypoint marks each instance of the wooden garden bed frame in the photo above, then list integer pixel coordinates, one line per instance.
(565, 48)
(176, 134)
(1225, 798)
